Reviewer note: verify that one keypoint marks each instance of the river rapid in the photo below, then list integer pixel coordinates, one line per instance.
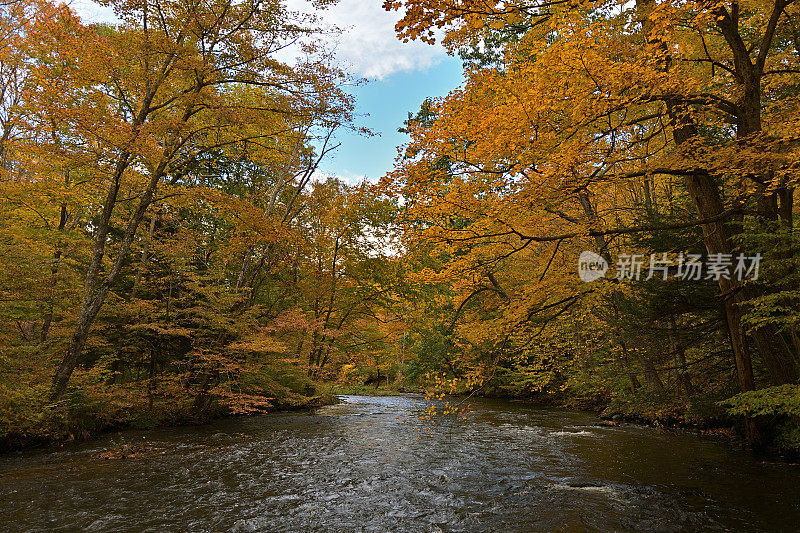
(368, 464)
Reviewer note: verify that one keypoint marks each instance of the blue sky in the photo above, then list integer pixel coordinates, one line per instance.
(388, 102)
(401, 75)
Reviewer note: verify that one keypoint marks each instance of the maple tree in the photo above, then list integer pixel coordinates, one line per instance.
(198, 76)
(153, 176)
(586, 126)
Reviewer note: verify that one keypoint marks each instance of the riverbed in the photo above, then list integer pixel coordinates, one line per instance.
(370, 464)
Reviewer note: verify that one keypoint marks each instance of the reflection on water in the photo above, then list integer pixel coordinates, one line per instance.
(357, 466)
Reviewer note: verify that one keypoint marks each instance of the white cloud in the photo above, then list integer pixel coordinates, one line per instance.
(347, 177)
(91, 12)
(368, 45)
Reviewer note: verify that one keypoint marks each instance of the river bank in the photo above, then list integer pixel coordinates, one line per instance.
(59, 428)
(723, 429)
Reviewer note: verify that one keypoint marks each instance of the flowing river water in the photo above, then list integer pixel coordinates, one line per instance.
(367, 465)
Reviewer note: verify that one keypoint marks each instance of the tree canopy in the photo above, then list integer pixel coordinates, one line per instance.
(170, 251)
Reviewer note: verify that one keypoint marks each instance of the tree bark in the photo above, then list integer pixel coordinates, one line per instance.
(679, 355)
(145, 256)
(95, 290)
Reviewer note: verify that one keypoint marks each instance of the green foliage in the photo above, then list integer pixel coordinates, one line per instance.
(788, 437)
(783, 400)
(779, 404)
(22, 411)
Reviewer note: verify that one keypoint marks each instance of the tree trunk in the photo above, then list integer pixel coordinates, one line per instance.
(679, 355)
(89, 310)
(145, 256)
(62, 225)
(95, 290)
(705, 196)
(650, 372)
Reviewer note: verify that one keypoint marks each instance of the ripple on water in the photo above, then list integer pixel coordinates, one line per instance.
(357, 466)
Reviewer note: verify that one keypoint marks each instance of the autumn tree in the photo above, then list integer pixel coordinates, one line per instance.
(174, 81)
(592, 122)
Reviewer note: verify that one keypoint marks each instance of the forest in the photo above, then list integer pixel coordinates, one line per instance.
(170, 252)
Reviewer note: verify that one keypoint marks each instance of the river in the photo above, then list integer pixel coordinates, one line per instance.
(366, 464)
